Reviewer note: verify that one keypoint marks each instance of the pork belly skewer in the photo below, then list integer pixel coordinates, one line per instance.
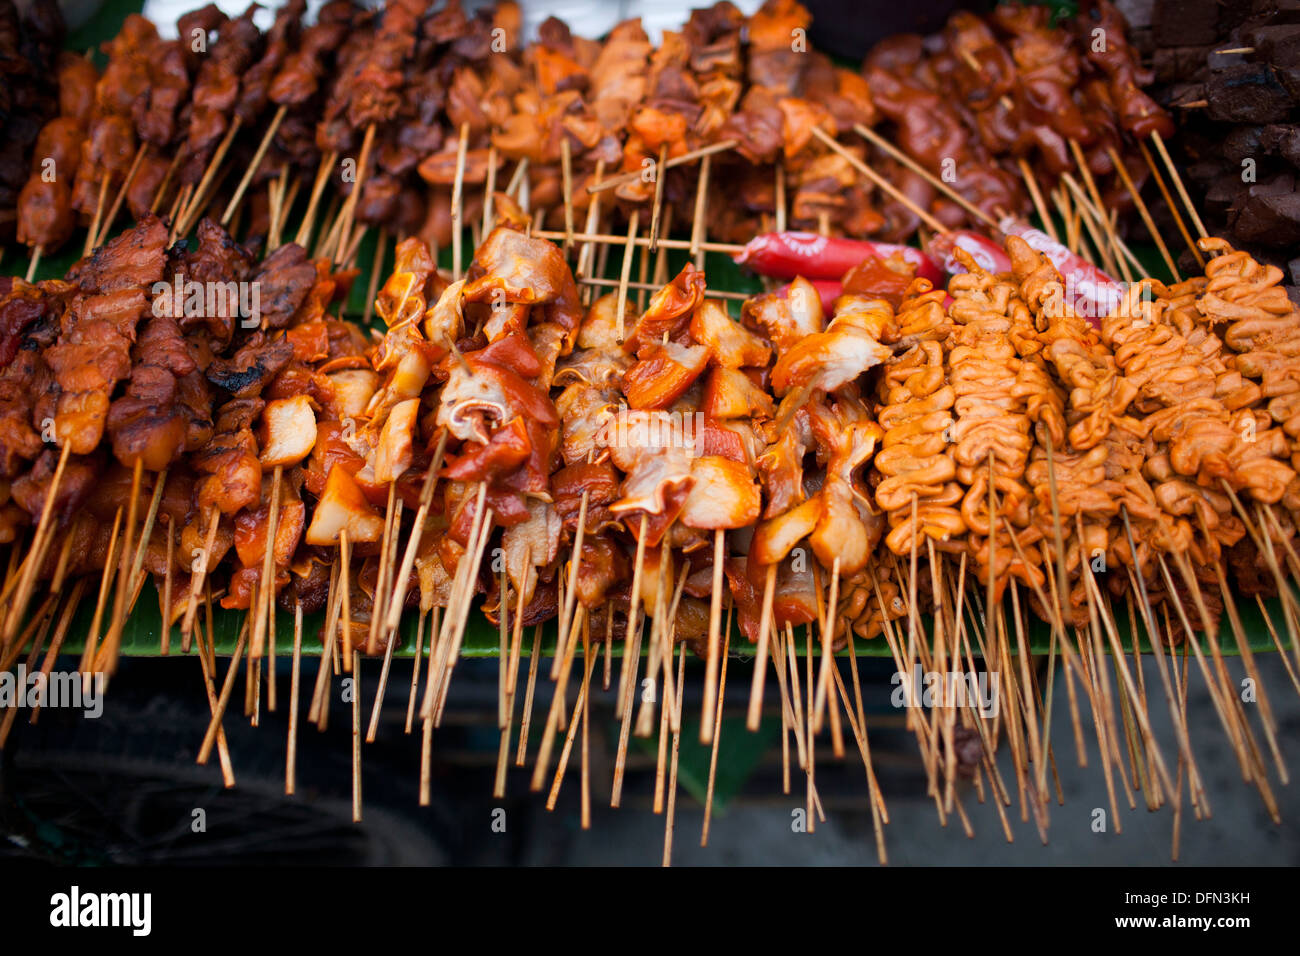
(45, 214)
(92, 354)
(214, 119)
(255, 91)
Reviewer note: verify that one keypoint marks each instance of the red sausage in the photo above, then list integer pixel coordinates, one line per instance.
(785, 255)
(982, 249)
(1090, 292)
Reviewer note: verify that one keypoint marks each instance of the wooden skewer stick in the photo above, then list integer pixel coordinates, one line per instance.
(107, 658)
(1096, 225)
(163, 186)
(415, 668)
(413, 542)
(207, 665)
(1035, 194)
(708, 714)
(670, 816)
(93, 231)
(1178, 183)
(200, 196)
(587, 253)
(726, 248)
(372, 729)
(569, 644)
(266, 592)
(489, 191)
(566, 170)
(92, 636)
(291, 755)
(621, 178)
(458, 203)
(778, 196)
(376, 267)
(345, 596)
(196, 579)
(599, 283)
(881, 183)
(1170, 204)
(534, 664)
(579, 706)
(657, 207)
(378, 607)
(1143, 211)
(251, 171)
(36, 557)
(60, 632)
(463, 600)
(214, 725)
(701, 212)
(575, 567)
(883, 144)
(626, 272)
(828, 630)
(303, 236)
(342, 229)
(33, 264)
(503, 658)
(717, 730)
(356, 735)
(168, 619)
(760, 659)
(1097, 206)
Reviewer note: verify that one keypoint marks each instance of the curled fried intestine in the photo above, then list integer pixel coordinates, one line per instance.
(1248, 294)
(922, 316)
(993, 430)
(914, 456)
(868, 601)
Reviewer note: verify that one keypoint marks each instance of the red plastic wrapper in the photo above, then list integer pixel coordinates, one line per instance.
(787, 255)
(1089, 291)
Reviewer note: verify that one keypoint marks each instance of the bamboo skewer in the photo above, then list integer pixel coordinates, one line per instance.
(33, 264)
(626, 272)
(36, 557)
(656, 210)
(708, 714)
(881, 183)
(1170, 204)
(198, 199)
(95, 221)
(457, 203)
(291, 753)
(1178, 183)
(883, 144)
(717, 731)
(1143, 211)
(251, 171)
(760, 658)
(1031, 184)
(690, 157)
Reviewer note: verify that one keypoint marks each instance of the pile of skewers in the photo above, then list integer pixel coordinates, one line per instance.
(642, 477)
(389, 120)
(863, 455)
